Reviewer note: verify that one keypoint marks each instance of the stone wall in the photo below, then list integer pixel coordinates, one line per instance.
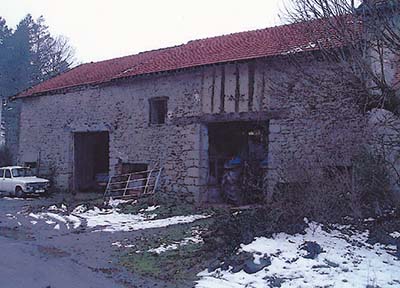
(323, 125)
(48, 122)
(229, 92)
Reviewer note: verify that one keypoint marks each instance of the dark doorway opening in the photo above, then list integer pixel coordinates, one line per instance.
(239, 148)
(91, 164)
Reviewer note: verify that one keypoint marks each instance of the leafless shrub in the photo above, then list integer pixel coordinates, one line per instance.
(252, 183)
(372, 177)
(328, 193)
(385, 141)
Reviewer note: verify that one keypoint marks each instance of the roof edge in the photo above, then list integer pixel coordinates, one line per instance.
(67, 89)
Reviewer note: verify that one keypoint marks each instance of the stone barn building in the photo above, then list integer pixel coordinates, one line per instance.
(188, 109)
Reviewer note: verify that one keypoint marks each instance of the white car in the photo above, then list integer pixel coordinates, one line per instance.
(20, 181)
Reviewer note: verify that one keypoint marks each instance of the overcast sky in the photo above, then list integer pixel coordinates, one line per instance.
(103, 29)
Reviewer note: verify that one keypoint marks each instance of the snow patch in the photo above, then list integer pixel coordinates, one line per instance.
(79, 209)
(10, 216)
(186, 241)
(150, 209)
(53, 218)
(115, 202)
(14, 199)
(348, 261)
(120, 245)
(395, 234)
(111, 220)
(62, 208)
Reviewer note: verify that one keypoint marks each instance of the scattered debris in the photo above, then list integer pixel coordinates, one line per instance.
(251, 267)
(313, 249)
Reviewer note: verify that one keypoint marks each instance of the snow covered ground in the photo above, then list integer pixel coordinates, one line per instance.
(107, 220)
(347, 261)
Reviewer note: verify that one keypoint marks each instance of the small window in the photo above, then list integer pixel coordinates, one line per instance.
(1, 173)
(158, 110)
(7, 174)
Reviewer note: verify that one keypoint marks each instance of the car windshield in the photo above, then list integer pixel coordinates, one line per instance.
(22, 172)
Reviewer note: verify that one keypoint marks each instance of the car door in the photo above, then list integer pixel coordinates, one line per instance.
(8, 181)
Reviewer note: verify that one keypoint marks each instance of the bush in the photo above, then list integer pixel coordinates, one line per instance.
(325, 195)
(329, 193)
(373, 182)
(252, 184)
(230, 229)
(322, 196)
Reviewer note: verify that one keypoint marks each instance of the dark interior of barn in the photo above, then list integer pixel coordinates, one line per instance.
(91, 165)
(244, 141)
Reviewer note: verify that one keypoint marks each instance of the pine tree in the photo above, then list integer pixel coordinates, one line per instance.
(19, 61)
(5, 34)
(31, 55)
(28, 55)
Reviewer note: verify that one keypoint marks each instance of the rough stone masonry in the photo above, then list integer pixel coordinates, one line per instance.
(233, 92)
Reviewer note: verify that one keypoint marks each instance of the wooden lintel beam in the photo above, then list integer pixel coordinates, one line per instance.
(230, 117)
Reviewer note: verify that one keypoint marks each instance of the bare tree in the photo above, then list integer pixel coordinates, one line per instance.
(60, 56)
(51, 55)
(365, 40)
(330, 86)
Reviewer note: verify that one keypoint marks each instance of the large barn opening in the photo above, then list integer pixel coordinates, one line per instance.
(91, 163)
(237, 155)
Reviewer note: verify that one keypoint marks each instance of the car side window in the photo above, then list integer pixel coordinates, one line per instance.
(7, 174)
(1, 173)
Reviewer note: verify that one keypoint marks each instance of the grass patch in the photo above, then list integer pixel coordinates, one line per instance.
(142, 263)
(170, 204)
(176, 266)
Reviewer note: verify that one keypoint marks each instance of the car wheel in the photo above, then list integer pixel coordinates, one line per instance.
(18, 192)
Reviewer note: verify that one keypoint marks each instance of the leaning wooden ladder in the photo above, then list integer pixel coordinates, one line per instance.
(133, 185)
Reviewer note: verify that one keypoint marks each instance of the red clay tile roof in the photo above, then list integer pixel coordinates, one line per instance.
(238, 46)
